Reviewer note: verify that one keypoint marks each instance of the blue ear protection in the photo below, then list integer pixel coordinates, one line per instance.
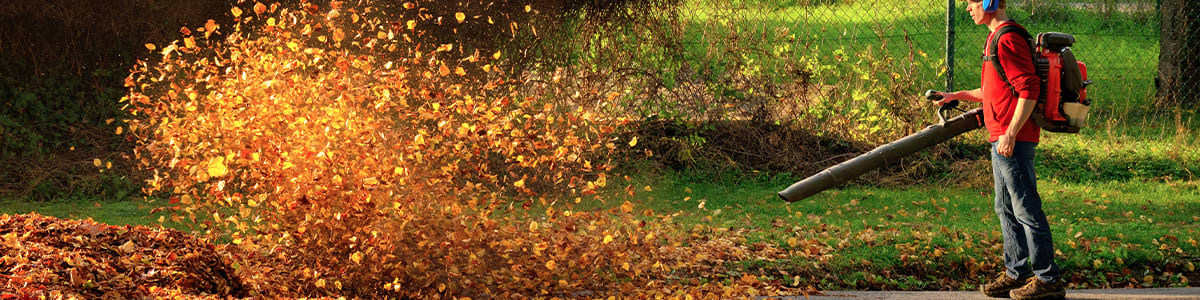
(990, 6)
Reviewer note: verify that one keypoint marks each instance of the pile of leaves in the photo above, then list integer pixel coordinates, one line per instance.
(344, 157)
(56, 258)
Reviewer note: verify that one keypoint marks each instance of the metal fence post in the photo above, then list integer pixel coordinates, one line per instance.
(950, 45)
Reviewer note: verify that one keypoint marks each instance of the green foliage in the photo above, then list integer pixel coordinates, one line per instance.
(40, 113)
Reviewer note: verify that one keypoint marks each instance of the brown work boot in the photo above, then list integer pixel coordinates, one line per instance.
(999, 287)
(1038, 289)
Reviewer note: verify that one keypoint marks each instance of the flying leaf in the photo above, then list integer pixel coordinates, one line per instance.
(150, 46)
(259, 8)
(460, 16)
(216, 167)
(210, 26)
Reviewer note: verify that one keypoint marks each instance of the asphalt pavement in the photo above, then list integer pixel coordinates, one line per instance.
(1088, 294)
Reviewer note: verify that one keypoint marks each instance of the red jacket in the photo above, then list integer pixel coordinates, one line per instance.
(999, 103)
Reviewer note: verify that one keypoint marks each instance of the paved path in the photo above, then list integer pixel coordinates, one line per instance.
(1093, 294)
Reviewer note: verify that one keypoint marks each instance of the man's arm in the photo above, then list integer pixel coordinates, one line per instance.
(1024, 110)
(975, 95)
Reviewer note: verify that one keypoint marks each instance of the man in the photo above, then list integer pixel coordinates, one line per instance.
(1007, 104)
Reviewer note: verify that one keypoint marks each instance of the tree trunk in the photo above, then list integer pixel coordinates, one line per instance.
(1179, 54)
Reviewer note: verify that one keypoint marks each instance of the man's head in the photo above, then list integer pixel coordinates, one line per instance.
(983, 11)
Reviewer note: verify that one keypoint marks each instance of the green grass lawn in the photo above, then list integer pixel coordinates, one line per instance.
(111, 212)
(909, 237)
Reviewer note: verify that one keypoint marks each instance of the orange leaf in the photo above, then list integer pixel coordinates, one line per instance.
(550, 265)
(150, 46)
(96, 162)
(237, 12)
(338, 35)
(211, 26)
(627, 207)
(259, 8)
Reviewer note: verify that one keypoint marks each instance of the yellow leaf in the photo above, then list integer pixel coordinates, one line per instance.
(237, 12)
(533, 226)
(608, 238)
(150, 46)
(412, 24)
(271, 22)
(460, 16)
(496, 55)
(519, 183)
(108, 165)
(550, 265)
(321, 283)
(119, 130)
(371, 181)
(96, 162)
(527, 7)
(356, 257)
(633, 142)
(216, 167)
(460, 72)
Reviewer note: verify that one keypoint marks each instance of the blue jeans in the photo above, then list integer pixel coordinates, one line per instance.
(1026, 232)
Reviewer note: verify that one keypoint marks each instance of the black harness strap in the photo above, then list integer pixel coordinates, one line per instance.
(994, 44)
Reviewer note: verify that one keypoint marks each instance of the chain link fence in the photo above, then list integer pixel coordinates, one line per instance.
(932, 43)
